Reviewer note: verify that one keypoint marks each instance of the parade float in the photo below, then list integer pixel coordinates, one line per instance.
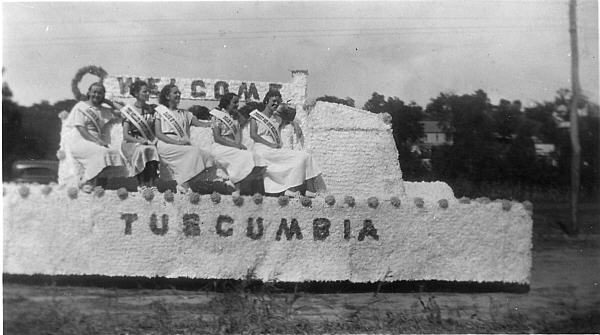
(366, 225)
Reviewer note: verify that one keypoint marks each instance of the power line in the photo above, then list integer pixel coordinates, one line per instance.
(287, 33)
(332, 18)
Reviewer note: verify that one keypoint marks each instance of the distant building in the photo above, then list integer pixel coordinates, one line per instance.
(434, 134)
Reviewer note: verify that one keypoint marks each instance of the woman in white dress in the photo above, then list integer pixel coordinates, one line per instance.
(139, 141)
(288, 171)
(227, 148)
(172, 128)
(89, 146)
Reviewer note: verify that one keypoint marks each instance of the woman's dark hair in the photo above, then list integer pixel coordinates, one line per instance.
(271, 93)
(136, 87)
(249, 107)
(226, 100)
(200, 112)
(162, 97)
(92, 85)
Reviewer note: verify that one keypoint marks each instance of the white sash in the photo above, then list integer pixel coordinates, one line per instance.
(91, 114)
(260, 117)
(138, 121)
(165, 114)
(225, 118)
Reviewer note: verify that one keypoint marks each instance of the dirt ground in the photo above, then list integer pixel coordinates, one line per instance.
(564, 296)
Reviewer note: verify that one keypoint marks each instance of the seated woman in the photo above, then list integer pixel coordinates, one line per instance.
(228, 149)
(172, 128)
(287, 171)
(139, 142)
(89, 147)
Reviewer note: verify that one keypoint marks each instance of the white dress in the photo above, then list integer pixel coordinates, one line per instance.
(238, 163)
(93, 157)
(183, 161)
(285, 168)
(138, 155)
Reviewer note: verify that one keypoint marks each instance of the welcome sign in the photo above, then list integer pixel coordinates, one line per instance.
(56, 234)
(210, 89)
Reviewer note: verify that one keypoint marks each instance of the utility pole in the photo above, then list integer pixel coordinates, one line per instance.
(573, 118)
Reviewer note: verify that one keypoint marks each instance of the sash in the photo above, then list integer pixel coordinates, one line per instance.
(225, 118)
(90, 114)
(138, 121)
(260, 117)
(165, 113)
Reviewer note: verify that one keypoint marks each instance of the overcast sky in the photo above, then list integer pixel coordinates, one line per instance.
(410, 49)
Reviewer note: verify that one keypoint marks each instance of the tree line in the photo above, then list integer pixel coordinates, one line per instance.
(494, 143)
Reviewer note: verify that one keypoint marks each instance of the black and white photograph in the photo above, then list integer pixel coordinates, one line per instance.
(300, 167)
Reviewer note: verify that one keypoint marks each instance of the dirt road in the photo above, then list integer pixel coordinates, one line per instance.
(564, 296)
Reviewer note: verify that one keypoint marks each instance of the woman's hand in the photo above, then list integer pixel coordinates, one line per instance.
(102, 143)
(242, 147)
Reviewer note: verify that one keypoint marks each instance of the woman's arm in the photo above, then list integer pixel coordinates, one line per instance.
(127, 137)
(225, 140)
(116, 107)
(257, 138)
(86, 135)
(165, 138)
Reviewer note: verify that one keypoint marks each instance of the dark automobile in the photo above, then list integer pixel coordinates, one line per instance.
(34, 171)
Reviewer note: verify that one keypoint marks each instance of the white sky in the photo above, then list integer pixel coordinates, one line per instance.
(410, 49)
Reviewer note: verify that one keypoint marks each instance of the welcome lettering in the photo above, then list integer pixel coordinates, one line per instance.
(204, 89)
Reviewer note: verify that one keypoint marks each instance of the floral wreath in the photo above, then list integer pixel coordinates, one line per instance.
(91, 69)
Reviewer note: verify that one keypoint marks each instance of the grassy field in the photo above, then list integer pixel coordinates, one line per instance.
(564, 296)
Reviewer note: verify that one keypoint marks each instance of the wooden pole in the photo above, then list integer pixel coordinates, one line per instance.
(576, 147)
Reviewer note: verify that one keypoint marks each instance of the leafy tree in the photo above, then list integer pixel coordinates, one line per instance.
(41, 127)
(330, 98)
(406, 129)
(12, 130)
(376, 104)
(467, 119)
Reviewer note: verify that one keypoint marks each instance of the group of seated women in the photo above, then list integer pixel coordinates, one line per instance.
(243, 144)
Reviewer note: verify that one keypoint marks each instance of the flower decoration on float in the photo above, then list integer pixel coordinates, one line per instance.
(419, 202)
(237, 200)
(169, 196)
(46, 189)
(506, 205)
(148, 194)
(122, 193)
(72, 192)
(386, 118)
(528, 205)
(98, 191)
(309, 104)
(373, 202)
(215, 197)
(60, 154)
(283, 200)
(349, 200)
(24, 191)
(91, 69)
(443, 203)
(194, 198)
(395, 201)
(257, 198)
(330, 200)
(63, 115)
(87, 188)
(305, 201)
(483, 200)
